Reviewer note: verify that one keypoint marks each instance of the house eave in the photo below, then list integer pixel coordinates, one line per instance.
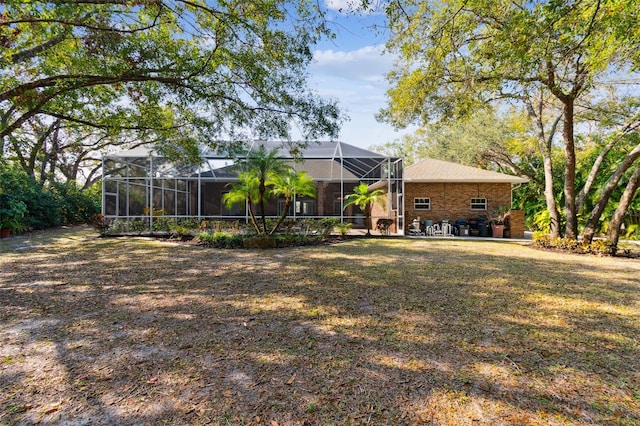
(436, 180)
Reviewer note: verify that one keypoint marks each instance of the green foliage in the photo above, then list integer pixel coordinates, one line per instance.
(318, 227)
(597, 247)
(181, 231)
(632, 232)
(120, 226)
(220, 240)
(297, 240)
(12, 213)
(48, 205)
(343, 228)
(364, 200)
(76, 206)
(328, 224)
(179, 73)
(314, 232)
(163, 224)
(290, 184)
(548, 57)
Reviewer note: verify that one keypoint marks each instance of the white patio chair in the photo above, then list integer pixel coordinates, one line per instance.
(414, 228)
(428, 227)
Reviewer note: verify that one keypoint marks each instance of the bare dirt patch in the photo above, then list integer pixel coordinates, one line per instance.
(370, 331)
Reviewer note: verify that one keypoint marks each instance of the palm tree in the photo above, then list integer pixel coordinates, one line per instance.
(244, 191)
(290, 184)
(365, 199)
(261, 165)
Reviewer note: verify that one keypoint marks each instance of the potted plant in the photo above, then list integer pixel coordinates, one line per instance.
(497, 221)
(11, 216)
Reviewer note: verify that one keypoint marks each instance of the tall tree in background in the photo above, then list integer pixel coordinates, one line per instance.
(457, 56)
(184, 73)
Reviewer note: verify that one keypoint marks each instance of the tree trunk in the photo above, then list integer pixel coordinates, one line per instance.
(544, 145)
(252, 216)
(262, 191)
(367, 218)
(591, 177)
(623, 207)
(287, 204)
(571, 228)
(552, 206)
(603, 200)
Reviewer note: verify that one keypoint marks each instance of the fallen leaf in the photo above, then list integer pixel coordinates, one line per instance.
(291, 379)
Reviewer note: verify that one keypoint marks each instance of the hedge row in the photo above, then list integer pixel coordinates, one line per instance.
(46, 205)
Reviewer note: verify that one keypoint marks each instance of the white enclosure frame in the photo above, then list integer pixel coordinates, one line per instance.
(140, 185)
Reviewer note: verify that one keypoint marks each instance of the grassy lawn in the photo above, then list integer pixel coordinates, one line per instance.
(370, 331)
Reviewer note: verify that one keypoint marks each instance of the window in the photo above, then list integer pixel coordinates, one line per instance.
(422, 203)
(281, 203)
(337, 204)
(478, 204)
(305, 208)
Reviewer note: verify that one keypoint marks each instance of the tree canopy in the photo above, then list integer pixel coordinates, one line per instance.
(457, 57)
(177, 73)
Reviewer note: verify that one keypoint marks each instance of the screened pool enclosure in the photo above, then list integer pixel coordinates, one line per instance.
(140, 186)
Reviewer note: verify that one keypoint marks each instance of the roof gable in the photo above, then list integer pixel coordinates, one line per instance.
(431, 170)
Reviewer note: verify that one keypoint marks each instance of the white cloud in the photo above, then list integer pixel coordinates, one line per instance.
(365, 64)
(357, 80)
(347, 6)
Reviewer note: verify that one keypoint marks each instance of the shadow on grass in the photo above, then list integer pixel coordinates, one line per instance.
(375, 331)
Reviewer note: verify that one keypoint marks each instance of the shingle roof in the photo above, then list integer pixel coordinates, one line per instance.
(327, 170)
(431, 170)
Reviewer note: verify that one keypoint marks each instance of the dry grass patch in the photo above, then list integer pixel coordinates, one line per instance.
(372, 331)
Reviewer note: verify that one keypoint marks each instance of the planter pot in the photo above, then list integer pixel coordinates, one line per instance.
(5, 232)
(497, 231)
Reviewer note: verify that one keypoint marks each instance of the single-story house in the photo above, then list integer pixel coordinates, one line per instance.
(139, 185)
(439, 190)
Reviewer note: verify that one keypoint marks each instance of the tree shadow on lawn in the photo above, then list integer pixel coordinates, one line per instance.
(134, 331)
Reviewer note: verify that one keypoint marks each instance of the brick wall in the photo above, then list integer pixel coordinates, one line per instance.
(453, 201)
(516, 224)
(380, 212)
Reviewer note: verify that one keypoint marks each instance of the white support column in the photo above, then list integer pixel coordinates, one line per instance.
(341, 189)
(102, 210)
(150, 192)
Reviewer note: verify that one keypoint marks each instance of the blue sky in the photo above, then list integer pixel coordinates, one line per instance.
(351, 68)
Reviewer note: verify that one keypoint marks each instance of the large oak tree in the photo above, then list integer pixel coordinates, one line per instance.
(459, 55)
(182, 73)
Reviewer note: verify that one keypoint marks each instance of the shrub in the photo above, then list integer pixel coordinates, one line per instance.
(181, 231)
(260, 242)
(101, 223)
(327, 224)
(205, 238)
(47, 206)
(599, 247)
(297, 240)
(74, 205)
(343, 228)
(220, 240)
